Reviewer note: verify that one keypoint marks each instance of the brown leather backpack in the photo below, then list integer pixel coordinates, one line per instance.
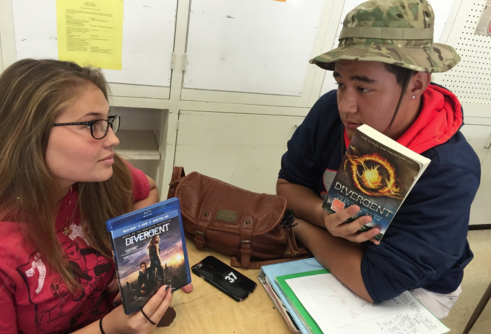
(242, 224)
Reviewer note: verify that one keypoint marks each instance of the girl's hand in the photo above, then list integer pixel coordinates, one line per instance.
(113, 287)
(118, 322)
(187, 289)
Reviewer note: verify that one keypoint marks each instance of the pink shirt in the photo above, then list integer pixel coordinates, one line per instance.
(35, 299)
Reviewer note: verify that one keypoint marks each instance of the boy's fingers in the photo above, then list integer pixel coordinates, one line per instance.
(375, 232)
(365, 236)
(354, 226)
(347, 213)
(375, 241)
(361, 237)
(371, 234)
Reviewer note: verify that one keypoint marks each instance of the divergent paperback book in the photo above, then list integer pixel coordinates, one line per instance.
(376, 173)
(149, 251)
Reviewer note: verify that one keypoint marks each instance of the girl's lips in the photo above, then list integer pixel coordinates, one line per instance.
(109, 157)
(108, 161)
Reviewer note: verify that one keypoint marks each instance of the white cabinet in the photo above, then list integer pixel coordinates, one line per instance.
(256, 51)
(140, 136)
(251, 37)
(216, 86)
(242, 149)
(479, 137)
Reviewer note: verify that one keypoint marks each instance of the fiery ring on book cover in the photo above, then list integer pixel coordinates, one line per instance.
(369, 178)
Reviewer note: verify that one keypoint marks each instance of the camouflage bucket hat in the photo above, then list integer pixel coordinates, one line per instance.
(398, 32)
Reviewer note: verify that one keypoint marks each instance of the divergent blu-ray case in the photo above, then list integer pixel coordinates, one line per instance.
(149, 251)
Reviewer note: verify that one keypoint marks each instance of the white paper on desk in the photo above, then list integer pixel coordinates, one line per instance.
(337, 310)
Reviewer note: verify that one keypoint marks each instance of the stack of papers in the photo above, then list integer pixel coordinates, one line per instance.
(319, 303)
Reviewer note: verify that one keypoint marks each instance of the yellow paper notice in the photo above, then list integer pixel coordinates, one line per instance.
(91, 32)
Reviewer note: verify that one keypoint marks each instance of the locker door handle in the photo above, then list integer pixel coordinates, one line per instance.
(487, 146)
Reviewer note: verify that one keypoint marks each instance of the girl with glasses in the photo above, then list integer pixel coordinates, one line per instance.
(60, 180)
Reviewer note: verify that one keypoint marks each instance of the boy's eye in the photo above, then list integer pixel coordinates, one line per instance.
(363, 90)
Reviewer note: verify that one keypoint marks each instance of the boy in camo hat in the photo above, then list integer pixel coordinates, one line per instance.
(383, 68)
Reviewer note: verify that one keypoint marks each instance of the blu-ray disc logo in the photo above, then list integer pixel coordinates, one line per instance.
(147, 213)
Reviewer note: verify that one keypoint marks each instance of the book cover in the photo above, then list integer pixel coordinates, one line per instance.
(376, 173)
(149, 251)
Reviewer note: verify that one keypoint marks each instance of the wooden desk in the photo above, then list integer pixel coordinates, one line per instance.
(208, 310)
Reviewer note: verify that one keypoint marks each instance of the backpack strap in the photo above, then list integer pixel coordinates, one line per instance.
(245, 251)
(177, 175)
(205, 218)
(296, 253)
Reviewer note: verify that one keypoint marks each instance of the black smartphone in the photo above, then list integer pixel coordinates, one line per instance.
(224, 278)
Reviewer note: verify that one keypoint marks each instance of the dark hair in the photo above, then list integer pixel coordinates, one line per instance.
(143, 262)
(401, 73)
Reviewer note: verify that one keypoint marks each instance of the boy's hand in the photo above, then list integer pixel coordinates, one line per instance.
(335, 225)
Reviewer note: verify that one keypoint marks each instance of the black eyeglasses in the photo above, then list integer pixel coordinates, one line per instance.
(98, 127)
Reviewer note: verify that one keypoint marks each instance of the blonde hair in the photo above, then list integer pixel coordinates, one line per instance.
(32, 94)
(152, 241)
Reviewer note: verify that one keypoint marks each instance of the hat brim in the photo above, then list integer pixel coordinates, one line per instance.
(433, 59)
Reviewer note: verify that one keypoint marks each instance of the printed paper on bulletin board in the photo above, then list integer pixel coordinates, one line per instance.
(91, 32)
(484, 24)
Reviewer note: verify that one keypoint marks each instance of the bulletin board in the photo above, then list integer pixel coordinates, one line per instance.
(230, 39)
(470, 80)
(148, 38)
(441, 8)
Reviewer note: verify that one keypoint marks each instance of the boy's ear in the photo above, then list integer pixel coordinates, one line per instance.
(418, 84)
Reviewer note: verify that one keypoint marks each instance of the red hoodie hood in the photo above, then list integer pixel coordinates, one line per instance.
(440, 118)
